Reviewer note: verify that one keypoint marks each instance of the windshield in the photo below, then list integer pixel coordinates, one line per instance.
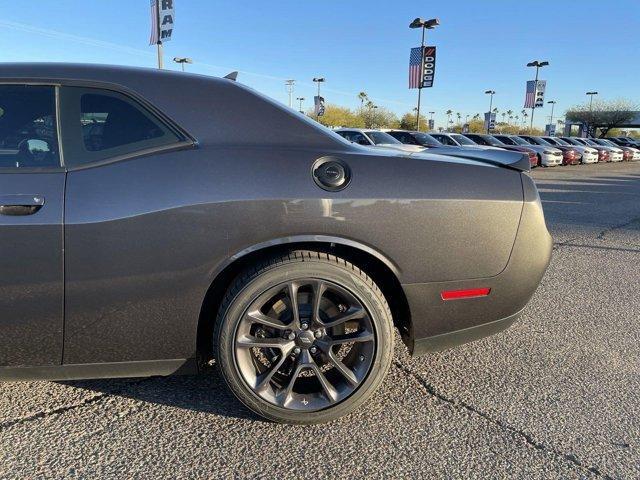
(541, 141)
(381, 138)
(560, 141)
(462, 140)
(520, 141)
(426, 139)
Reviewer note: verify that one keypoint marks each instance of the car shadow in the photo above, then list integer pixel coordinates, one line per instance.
(205, 392)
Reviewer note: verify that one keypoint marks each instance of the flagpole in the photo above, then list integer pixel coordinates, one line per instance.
(159, 43)
(421, 76)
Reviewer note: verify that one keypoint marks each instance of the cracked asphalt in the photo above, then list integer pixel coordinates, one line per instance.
(555, 396)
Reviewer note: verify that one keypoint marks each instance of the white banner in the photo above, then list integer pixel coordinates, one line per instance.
(541, 86)
(162, 19)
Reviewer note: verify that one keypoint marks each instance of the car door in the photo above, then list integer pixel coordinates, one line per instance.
(32, 183)
(129, 286)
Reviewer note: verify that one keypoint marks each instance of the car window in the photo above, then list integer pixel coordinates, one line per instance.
(426, 139)
(355, 137)
(101, 124)
(381, 138)
(28, 127)
(445, 140)
(462, 140)
(478, 139)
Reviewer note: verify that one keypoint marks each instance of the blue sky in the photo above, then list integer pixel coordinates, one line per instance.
(356, 46)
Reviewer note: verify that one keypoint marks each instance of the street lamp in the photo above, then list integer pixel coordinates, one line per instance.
(553, 104)
(538, 64)
(491, 93)
(591, 94)
(182, 61)
(318, 80)
(424, 25)
(289, 85)
(301, 99)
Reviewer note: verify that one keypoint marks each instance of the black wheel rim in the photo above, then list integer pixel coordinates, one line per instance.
(305, 344)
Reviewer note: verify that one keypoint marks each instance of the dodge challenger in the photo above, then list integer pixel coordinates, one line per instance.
(155, 222)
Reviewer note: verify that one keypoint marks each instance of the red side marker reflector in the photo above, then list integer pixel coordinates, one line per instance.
(470, 293)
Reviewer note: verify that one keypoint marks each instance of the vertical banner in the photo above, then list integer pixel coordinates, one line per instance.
(162, 19)
(422, 67)
(550, 130)
(541, 86)
(429, 67)
(431, 124)
(489, 121)
(318, 103)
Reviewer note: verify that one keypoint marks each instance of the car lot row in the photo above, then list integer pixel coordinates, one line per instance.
(542, 150)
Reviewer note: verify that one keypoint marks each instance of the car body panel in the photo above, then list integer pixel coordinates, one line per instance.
(32, 280)
(146, 236)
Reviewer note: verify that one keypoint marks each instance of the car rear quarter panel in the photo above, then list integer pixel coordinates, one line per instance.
(146, 237)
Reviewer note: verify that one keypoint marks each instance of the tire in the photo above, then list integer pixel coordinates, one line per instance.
(351, 317)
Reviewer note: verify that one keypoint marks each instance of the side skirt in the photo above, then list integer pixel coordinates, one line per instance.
(86, 371)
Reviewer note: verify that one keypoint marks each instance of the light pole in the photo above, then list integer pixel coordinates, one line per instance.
(538, 64)
(182, 61)
(424, 25)
(491, 93)
(553, 104)
(289, 84)
(301, 99)
(591, 94)
(318, 80)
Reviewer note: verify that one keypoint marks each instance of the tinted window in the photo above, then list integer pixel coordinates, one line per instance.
(381, 138)
(426, 139)
(478, 139)
(356, 137)
(462, 140)
(101, 124)
(28, 130)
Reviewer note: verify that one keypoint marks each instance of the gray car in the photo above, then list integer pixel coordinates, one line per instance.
(154, 221)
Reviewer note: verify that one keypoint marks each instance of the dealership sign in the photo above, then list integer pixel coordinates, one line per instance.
(318, 103)
(550, 130)
(489, 121)
(422, 67)
(541, 85)
(429, 68)
(162, 18)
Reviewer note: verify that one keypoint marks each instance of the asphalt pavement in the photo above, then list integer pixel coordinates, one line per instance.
(555, 396)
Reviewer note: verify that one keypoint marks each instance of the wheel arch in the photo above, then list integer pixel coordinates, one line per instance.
(380, 268)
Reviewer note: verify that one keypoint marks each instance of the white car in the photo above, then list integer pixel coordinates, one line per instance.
(587, 154)
(548, 156)
(615, 153)
(376, 138)
(608, 143)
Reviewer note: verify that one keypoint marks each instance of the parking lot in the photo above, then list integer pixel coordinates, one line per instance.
(555, 396)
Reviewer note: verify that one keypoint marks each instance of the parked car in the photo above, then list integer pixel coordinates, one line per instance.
(603, 153)
(585, 154)
(616, 154)
(185, 230)
(376, 139)
(570, 155)
(547, 156)
(626, 141)
(488, 141)
(414, 138)
(628, 153)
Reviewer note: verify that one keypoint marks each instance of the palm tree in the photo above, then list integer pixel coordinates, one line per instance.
(476, 116)
(504, 117)
(517, 119)
(458, 115)
(510, 113)
(449, 112)
(362, 96)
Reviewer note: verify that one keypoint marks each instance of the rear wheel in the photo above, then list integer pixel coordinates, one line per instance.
(304, 338)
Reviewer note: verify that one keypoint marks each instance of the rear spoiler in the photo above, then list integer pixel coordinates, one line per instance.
(499, 158)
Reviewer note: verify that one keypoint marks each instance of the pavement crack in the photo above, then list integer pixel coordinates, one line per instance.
(603, 233)
(54, 411)
(528, 438)
(66, 408)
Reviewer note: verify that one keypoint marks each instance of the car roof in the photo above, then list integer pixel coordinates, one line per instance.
(216, 110)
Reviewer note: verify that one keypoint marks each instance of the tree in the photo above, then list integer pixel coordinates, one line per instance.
(603, 115)
(363, 97)
(336, 116)
(449, 112)
(408, 121)
(377, 117)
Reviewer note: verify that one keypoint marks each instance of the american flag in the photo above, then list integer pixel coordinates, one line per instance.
(154, 23)
(530, 97)
(415, 67)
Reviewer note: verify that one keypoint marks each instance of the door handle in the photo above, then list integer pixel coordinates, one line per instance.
(16, 205)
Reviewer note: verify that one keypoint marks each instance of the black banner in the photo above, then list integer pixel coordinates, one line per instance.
(428, 66)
